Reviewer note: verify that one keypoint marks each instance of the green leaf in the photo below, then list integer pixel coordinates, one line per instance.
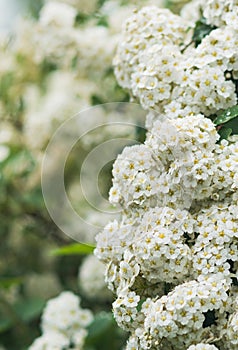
(140, 134)
(100, 327)
(29, 309)
(74, 249)
(34, 7)
(227, 115)
(20, 163)
(233, 124)
(224, 133)
(81, 18)
(7, 282)
(74, 62)
(33, 199)
(101, 3)
(96, 100)
(6, 81)
(103, 21)
(5, 324)
(25, 310)
(201, 30)
(104, 333)
(48, 67)
(227, 122)
(141, 302)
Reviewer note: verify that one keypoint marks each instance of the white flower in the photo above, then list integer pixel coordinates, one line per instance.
(142, 30)
(64, 314)
(59, 14)
(63, 324)
(79, 338)
(4, 152)
(220, 12)
(52, 340)
(92, 280)
(131, 300)
(202, 346)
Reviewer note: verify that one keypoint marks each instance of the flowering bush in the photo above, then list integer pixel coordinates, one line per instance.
(172, 257)
(52, 66)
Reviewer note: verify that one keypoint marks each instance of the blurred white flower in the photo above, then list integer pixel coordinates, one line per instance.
(59, 14)
(4, 152)
(63, 324)
(92, 279)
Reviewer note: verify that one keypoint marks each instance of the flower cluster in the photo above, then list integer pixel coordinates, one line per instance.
(216, 248)
(172, 257)
(153, 61)
(178, 317)
(160, 249)
(179, 222)
(179, 162)
(150, 29)
(45, 39)
(220, 13)
(64, 324)
(133, 174)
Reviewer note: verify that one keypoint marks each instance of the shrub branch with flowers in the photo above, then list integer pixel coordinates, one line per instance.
(172, 258)
(52, 66)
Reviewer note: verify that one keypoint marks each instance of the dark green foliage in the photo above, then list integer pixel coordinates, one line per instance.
(210, 318)
(227, 122)
(104, 334)
(226, 116)
(140, 134)
(201, 30)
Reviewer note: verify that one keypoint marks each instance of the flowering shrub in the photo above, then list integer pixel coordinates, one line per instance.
(52, 66)
(172, 257)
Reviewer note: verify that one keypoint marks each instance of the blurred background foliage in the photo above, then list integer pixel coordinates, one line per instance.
(30, 273)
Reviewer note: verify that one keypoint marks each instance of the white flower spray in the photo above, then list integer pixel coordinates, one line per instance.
(172, 258)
